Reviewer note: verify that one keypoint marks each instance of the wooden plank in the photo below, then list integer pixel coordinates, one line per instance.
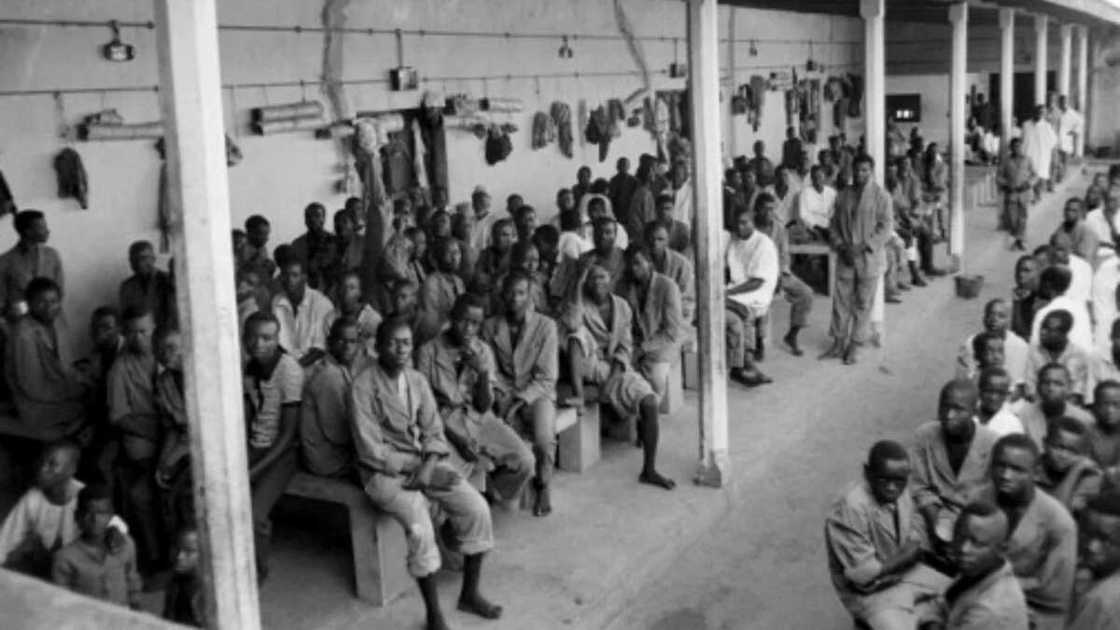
(198, 190)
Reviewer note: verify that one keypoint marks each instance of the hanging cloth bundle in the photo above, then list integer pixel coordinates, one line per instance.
(598, 131)
(855, 95)
(72, 180)
(544, 130)
(562, 117)
(758, 97)
(498, 145)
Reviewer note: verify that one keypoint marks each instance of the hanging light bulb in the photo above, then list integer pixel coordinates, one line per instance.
(753, 49)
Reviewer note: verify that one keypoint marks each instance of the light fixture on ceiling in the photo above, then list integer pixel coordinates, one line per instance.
(116, 50)
(753, 49)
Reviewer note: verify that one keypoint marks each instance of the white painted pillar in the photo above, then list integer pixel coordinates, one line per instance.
(1006, 75)
(958, 90)
(191, 104)
(1041, 25)
(732, 144)
(1066, 60)
(703, 86)
(875, 82)
(1082, 85)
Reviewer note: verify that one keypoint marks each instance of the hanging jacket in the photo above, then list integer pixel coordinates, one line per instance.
(72, 181)
(7, 201)
(498, 145)
(599, 131)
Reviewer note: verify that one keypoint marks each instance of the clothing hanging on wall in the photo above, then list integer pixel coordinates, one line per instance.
(72, 179)
(598, 131)
(7, 201)
(544, 131)
(498, 145)
(562, 116)
(855, 95)
(757, 100)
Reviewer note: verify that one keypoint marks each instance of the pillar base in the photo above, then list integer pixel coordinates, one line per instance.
(954, 264)
(713, 471)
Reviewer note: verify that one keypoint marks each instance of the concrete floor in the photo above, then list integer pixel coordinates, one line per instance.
(765, 565)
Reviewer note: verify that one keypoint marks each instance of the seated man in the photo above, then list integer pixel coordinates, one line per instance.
(1042, 548)
(1053, 402)
(101, 562)
(315, 249)
(133, 413)
(273, 387)
(752, 260)
(993, 410)
(525, 258)
(441, 288)
(997, 319)
(1054, 346)
(324, 418)
(1066, 471)
(815, 205)
(149, 288)
(1104, 434)
(50, 396)
(680, 236)
(659, 327)
(986, 596)
(876, 540)
(42, 520)
(673, 265)
(606, 254)
(796, 292)
(304, 314)
(460, 368)
(494, 261)
(597, 326)
(1053, 285)
(1099, 608)
(950, 458)
(526, 351)
(401, 444)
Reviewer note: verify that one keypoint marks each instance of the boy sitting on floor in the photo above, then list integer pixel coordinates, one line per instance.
(101, 563)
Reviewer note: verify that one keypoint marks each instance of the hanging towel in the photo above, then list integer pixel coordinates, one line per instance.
(7, 201)
(72, 181)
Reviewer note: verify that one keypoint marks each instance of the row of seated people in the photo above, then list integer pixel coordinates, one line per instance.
(1005, 511)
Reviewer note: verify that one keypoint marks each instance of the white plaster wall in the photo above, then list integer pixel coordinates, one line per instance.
(281, 174)
(934, 90)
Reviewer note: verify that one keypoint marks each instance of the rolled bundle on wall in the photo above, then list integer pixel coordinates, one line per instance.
(501, 104)
(299, 111)
(136, 131)
(286, 125)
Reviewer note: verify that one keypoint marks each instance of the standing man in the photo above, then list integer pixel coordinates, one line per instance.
(859, 230)
(315, 248)
(255, 255)
(149, 288)
(761, 165)
(791, 150)
(1070, 123)
(1039, 141)
(401, 457)
(621, 191)
(30, 258)
(1015, 177)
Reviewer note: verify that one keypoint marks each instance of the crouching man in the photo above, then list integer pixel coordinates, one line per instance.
(400, 442)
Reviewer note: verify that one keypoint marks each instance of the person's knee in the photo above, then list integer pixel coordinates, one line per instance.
(649, 405)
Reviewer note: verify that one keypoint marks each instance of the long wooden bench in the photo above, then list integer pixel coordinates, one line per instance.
(377, 542)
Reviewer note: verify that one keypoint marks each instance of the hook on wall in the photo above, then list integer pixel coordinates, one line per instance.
(565, 51)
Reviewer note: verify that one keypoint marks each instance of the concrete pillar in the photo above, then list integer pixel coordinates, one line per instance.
(875, 82)
(191, 104)
(703, 86)
(958, 91)
(1082, 93)
(1041, 24)
(1066, 60)
(1006, 75)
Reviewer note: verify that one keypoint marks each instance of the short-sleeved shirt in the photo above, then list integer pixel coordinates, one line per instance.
(266, 396)
(112, 578)
(754, 257)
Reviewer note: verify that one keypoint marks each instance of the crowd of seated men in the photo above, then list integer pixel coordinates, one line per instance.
(1004, 511)
(424, 367)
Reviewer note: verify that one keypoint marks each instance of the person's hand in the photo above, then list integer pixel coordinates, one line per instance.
(311, 356)
(443, 478)
(422, 477)
(472, 359)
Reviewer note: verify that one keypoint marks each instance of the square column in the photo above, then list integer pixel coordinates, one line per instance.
(1041, 24)
(874, 16)
(1082, 92)
(198, 189)
(1006, 75)
(1064, 66)
(703, 86)
(958, 92)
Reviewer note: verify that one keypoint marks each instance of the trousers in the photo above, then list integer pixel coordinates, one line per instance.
(266, 489)
(851, 303)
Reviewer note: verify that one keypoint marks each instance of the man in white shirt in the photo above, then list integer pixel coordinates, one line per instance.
(1053, 285)
(815, 204)
(1105, 282)
(1105, 365)
(1039, 141)
(752, 263)
(997, 319)
(1071, 121)
(993, 411)
(1081, 272)
(1104, 221)
(305, 315)
(482, 221)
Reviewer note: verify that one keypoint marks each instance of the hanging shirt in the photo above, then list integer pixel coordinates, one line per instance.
(754, 257)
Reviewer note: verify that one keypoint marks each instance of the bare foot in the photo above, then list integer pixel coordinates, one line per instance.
(654, 478)
(478, 605)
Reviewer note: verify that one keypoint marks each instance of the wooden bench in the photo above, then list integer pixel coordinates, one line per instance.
(818, 249)
(377, 542)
